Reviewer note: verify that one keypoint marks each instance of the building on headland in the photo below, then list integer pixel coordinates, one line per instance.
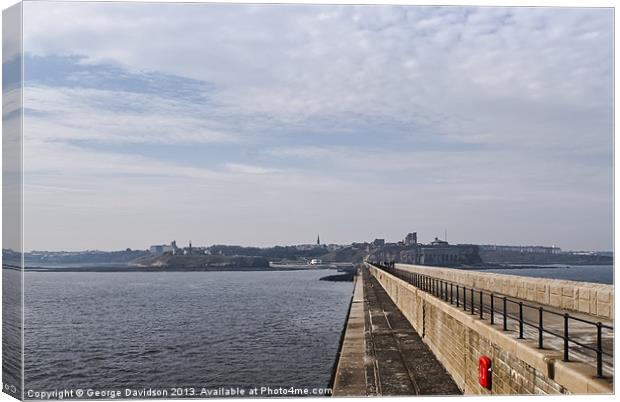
(521, 249)
(161, 249)
(439, 242)
(411, 239)
(378, 242)
(438, 252)
(313, 246)
(534, 255)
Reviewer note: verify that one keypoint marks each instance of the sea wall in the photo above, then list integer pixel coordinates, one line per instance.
(458, 339)
(590, 298)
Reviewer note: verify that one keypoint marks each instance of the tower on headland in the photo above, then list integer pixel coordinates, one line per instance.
(318, 240)
(411, 239)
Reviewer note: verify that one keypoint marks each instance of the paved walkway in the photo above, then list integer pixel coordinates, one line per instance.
(385, 356)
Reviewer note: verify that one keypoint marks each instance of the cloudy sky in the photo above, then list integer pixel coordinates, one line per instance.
(268, 124)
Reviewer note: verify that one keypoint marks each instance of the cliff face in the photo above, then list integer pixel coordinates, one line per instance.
(203, 262)
(347, 254)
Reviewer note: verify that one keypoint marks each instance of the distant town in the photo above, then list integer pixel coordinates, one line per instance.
(408, 250)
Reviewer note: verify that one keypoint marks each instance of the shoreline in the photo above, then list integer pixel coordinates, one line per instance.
(113, 269)
(272, 268)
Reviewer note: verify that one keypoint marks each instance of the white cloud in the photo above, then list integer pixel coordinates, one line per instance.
(502, 118)
(248, 169)
(293, 64)
(61, 113)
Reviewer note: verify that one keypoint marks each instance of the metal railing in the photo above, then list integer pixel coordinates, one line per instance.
(464, 297)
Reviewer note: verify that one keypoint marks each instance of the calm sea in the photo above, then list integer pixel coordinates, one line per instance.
(583, 273)
(182, 329)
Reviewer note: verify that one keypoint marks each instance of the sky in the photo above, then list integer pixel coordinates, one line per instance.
(270, 124)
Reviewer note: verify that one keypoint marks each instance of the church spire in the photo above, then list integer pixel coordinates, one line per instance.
(318, 240)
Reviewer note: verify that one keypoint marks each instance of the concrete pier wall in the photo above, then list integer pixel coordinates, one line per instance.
(589, 298)
(458, 339)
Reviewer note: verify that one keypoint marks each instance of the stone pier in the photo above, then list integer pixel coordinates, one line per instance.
(459, 338)
(382, 354)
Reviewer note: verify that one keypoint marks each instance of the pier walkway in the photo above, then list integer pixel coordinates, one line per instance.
(382, 354)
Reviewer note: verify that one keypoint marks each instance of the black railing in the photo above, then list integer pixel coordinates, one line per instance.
(454, 293)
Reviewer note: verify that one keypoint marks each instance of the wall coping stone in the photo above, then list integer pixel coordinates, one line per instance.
(559, 293)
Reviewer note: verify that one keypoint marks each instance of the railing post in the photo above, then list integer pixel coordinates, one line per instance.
(464, 298)
(451, 293)
(599, 349)
(472, 301)
(540, 327)
(505, 316)
(458, 296)
(520, 320)
(481, 307)
(565, 337)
